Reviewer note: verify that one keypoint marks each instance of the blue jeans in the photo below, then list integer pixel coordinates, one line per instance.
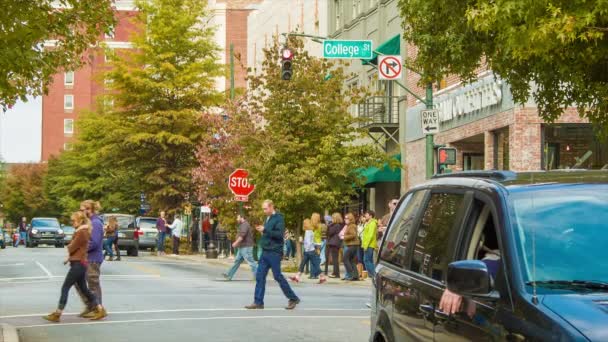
(368, 260)
(22, 237)
(344, 250)
(160, 244)
(268, 261)
(243, 254)
(287, 248)
(314, 260)
(108, 244)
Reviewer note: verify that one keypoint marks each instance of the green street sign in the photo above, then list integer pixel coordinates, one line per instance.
(347, 49)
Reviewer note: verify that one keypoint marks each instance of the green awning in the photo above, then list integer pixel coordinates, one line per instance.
(389, 47)
(382, 175)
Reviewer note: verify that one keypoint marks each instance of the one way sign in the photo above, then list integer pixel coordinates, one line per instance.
(430, 121)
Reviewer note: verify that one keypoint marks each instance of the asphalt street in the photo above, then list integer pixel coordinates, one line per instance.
(151, 299)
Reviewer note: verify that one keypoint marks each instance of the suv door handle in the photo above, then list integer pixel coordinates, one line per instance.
(430, 311)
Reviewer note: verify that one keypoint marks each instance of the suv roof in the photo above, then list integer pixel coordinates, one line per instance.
(511, 180)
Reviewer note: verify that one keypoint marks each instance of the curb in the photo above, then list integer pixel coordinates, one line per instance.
(9, 333)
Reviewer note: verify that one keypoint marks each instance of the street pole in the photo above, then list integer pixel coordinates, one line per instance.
(231, 71)
(430, 144)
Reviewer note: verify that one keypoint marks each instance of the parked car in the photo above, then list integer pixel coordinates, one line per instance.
(3, 239)
(148, 233)
(128, 234)
(45, 230)
(68, 232)
(522, 251)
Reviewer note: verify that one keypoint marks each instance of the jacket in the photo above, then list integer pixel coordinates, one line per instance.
(333, 235)
(95, 253)
(368, 240)
(79, 245)
(351, 238)
(274, 230)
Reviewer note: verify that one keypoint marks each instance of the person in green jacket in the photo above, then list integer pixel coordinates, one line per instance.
(369, 242)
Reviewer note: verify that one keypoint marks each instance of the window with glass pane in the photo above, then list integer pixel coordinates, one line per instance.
(395, 244)
(430, 254)
(68, 102)
(69, 78)
(68, 126)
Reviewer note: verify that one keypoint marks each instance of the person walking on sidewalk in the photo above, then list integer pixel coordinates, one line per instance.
(161, 227)
(311, 255)
(95, 257)
(111, 232)
(176, 232)
(369, 242)
(77, 258)
(244, 242)
(351, 247)
(272, 231)
(333, 244)
(22, 232)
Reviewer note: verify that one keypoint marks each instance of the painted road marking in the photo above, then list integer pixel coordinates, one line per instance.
(183, 310)
(103, 276)
(9, 265)
(44, 269)
(49, 325)
(146, 269)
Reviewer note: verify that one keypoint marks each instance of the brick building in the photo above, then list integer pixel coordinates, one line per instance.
(480, 119)
(73, 92)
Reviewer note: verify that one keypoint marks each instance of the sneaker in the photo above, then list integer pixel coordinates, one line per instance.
(292, 304)
(225, 275)
(254, 306)
(90, 314)
(86, 312)
(322, 280)
(53, 317)
(99, 314)
(294, 279)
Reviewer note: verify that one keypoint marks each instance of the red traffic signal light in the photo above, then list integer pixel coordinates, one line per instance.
(446, 155)
(286, 64)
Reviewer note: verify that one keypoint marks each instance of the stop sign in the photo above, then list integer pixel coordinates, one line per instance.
(239, 184)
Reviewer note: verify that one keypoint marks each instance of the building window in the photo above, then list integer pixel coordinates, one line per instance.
(68, 102)
(108, 80)
(68, 78)
(354, 107)
(356, 8)
(338, 9)
(106, 57)
(67, 146)
(573, 146)
(68, 126)
(108, 103)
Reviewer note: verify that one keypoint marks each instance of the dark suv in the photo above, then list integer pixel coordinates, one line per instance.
(521, 252)
(45, 230)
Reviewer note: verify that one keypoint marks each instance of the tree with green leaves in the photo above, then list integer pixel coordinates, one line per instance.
(23, 192)
(554, 51)
(303, 154)
(41, 37)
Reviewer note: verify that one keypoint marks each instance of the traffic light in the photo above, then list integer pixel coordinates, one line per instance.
(446, 155)
(286, 64)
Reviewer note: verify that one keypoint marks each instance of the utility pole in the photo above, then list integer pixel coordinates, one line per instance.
(430, 143)
(231, 71)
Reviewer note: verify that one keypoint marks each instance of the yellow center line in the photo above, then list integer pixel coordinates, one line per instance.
(146, 269)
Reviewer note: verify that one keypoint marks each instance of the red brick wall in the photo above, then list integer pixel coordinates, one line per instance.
(87, 85)
(236, 33)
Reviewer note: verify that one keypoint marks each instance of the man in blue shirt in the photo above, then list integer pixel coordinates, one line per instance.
(272, 242)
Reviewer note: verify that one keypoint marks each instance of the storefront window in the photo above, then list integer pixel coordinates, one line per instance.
(573, 146)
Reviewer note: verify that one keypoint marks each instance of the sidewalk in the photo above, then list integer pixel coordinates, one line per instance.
(227, 262)
(8, 333)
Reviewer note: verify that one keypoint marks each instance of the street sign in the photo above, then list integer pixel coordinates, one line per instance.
(430, 121)
(239, 184)
(447, 155)
(347, 49)
(389, 67)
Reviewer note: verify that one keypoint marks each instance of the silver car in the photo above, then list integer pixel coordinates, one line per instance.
(148, 233)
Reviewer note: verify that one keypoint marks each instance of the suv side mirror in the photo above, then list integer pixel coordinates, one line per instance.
(470, 278)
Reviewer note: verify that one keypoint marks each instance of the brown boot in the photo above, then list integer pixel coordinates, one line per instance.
(53, 317)
(254, 306)
(86, 313)
(99, 314)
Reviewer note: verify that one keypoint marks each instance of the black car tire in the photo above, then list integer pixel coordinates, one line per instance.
(132, 251)
(59, 245)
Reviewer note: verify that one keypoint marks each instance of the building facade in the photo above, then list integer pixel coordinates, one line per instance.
(480, 119)
(271, 18)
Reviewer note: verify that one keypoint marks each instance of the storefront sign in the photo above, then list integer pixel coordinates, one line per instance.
(484, 95)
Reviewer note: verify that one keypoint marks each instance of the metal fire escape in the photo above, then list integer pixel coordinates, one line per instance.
(380, 117)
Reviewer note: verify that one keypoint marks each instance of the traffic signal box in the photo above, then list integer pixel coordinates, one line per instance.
(286, 64)
(446, 155)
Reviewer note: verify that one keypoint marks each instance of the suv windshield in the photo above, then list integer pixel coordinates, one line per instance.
(568, 223)
(123, 221)
(45, 223)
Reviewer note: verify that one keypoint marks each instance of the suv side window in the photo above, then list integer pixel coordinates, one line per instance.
(395, 244)
(431, 248)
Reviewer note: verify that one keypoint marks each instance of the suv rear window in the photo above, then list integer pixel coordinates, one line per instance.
(50, 223)
(147, 223)
(395, 244)
(431, 251)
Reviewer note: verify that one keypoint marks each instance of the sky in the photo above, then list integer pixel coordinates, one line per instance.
(21, 132)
